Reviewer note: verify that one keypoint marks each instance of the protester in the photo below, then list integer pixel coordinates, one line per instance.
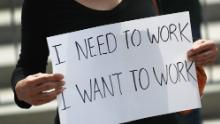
(43, 18)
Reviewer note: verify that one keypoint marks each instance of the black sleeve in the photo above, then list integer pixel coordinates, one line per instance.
(34, 50)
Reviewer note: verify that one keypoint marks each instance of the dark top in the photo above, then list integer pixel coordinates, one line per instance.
(193, 6)
(43, 18)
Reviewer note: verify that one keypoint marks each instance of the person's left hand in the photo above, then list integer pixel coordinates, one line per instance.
(203, 52)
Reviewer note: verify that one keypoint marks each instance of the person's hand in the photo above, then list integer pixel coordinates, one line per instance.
(39, 88)
(203, 52)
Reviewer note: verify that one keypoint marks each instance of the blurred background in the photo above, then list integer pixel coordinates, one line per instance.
(10, 14)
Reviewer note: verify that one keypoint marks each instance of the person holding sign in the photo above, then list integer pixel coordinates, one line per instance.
(30, 83)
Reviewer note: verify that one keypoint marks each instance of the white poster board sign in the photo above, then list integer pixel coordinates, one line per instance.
(125, 71)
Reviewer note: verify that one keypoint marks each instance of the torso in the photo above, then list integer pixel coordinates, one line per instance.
(69, 15)
(54, 17)
(100, 4)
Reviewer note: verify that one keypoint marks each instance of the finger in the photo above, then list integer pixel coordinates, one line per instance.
(51, 94)
(42, 78)
(41, 98)
(57, 76)
(204, 63)
(43, 101)
(37, 78)
(48, 86)
(38, 74)
(46, 97)
(204, 56)
(198, 48)
(194, 52)
(207, 61)
(52, 77)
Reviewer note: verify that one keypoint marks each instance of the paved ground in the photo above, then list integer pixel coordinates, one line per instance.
(212, 121)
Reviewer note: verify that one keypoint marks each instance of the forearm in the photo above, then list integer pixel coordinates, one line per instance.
(17, 75)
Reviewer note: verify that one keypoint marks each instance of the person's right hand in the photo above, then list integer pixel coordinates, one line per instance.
(39, 88)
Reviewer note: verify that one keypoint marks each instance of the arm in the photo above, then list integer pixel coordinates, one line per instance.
(26, 84)
(203, 53)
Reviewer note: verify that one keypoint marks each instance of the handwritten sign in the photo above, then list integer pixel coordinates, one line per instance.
(126, 71)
